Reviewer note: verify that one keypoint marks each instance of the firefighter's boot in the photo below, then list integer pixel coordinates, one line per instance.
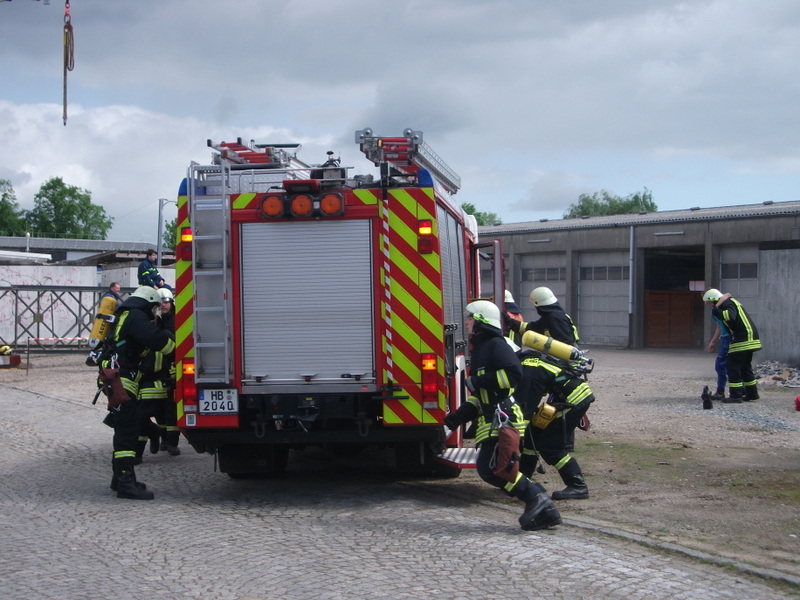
(736, 396)
(540, 512)
(127, 487)
(576, 489)
(115, 481)
(170, 440)
(751, 393)
(115, 484)
(572, 475)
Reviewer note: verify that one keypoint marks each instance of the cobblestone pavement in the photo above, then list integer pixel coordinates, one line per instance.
(319, 533)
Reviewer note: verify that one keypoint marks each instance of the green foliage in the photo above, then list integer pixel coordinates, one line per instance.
(61, 210)
(483, 218)
(602, 203)
(11, 221)
(170, 238)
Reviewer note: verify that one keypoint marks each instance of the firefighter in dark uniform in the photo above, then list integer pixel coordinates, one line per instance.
(513, 312)
(167, 417)
(552, 440)
(134, 337)
(744, 341)
(553, 321)
(148, 272)
(494, 371)
(155, 391)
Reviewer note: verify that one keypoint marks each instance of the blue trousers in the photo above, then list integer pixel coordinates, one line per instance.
(721, 364)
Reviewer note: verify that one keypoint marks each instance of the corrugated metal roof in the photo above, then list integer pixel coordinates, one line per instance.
(746, 211)
(71, 244)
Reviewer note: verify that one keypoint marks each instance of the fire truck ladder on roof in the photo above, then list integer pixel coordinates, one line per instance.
(263, 156)
(408, 154)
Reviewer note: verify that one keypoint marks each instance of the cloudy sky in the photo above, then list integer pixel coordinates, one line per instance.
(532, 102)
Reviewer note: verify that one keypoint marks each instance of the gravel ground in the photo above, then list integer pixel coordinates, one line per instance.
(724, 481)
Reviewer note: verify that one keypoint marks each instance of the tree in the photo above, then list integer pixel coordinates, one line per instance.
(602, 203)
(170, 238)
(61, 210)
(11, 221)
(483, 218)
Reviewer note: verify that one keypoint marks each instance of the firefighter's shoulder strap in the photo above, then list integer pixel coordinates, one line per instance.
(574, 329)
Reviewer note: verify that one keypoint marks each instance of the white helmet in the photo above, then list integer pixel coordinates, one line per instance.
(510, 305)
(484, 311)
(543, 296)
(148, 293)
(166, 295)
(712, 295)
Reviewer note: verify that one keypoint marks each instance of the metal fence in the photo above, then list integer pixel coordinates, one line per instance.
(48, 318)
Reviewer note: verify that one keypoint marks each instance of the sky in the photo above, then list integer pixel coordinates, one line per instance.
(531, 102)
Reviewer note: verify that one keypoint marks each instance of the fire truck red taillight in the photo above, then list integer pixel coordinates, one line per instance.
(272, 206)
(425, 239)
(331, 205)
(184, 246)
(430, 381)
(187, 383)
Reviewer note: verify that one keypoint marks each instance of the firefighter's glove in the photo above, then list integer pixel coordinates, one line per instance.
(511, 323)
(451, 422)
(470, 381)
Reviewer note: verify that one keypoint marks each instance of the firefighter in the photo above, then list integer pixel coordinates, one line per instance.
(167, 417)
(155, 391)
(512, 311)
(744, 341)
(148, 272)
(553, 321)
(553, 439)
(494, 371)
(134, 337)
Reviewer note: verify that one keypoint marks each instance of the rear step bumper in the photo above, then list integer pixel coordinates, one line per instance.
(463, 458)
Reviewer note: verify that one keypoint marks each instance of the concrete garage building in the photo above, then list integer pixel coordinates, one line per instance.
(636, 280)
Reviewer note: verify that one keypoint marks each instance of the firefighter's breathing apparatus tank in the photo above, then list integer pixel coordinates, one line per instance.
(548, 345)
(102, 321)
(563, 353)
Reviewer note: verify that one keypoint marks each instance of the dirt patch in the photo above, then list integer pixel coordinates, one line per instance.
(724, 481)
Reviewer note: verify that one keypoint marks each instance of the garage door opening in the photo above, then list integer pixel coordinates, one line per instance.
(673, 315)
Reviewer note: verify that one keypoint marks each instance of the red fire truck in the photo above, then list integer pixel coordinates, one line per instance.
(316, 308)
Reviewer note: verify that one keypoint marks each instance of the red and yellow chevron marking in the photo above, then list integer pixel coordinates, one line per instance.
(184, 292)
(249, 200)
(366, 196)
(412, 305)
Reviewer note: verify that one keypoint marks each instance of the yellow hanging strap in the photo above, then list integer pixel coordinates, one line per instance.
(69, 53)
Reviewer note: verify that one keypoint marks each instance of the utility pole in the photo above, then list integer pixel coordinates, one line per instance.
(161, 202)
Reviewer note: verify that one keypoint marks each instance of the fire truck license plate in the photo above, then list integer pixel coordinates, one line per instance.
(218, 402)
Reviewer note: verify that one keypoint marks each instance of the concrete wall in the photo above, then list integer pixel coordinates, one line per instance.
(33, 314)
(779, 306)
(40, 313)
(128, 276)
